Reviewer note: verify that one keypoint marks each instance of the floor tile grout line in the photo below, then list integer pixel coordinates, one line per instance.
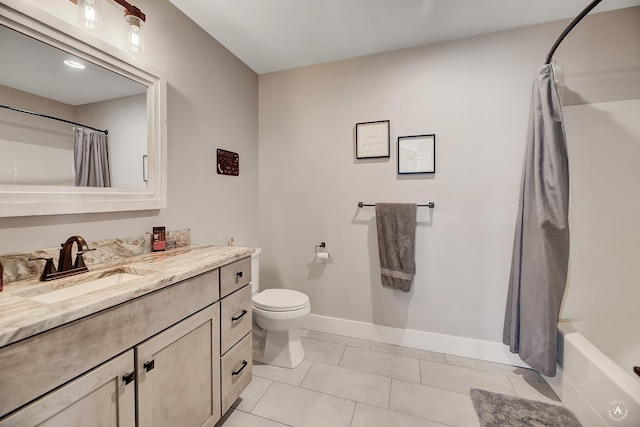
(336, 335)
(337, 397)
(417, 416)
(261, 396)
(513, 387)
(342, 397)
(344, 350)
(264, 418)
(307, 373)
(521, 376)
(353, 414)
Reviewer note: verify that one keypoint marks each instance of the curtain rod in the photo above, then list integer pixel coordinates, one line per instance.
(567, 30)
(426, 205)
(106, 132)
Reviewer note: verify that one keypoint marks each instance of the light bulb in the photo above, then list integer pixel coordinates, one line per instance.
(90, 14)
(135, 38)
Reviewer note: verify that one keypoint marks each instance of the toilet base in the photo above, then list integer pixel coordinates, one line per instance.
(283, 348)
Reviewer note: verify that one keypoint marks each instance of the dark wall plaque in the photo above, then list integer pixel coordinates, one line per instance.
(228, 163)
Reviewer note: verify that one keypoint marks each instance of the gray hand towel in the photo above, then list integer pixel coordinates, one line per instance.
(396, 224)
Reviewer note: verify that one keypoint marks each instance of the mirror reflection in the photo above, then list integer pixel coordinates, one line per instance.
(38, 150)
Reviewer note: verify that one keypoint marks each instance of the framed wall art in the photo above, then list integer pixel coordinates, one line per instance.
(228, 162)
(417, 154)
(373, 139)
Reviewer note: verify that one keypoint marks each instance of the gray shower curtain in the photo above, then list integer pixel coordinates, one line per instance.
(91, 158)
(541, 245)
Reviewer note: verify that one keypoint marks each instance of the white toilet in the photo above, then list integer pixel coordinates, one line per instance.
(279, 314)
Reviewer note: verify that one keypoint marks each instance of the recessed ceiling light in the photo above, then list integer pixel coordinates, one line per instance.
(74, 64)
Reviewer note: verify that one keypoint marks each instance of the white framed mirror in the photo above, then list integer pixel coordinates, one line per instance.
(45, 106)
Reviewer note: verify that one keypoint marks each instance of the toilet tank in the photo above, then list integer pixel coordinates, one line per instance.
(255, 271)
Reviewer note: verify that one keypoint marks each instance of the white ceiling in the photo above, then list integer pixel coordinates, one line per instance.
(272, 35)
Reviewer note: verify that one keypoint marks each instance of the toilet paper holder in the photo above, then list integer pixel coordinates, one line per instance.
(322, 255)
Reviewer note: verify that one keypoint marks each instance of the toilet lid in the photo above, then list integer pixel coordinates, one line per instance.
(280, 300)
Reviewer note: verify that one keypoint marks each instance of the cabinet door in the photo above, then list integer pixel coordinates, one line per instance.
(100, 398)
(178, 373)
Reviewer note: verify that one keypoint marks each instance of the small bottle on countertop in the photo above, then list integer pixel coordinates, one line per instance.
(159, 241)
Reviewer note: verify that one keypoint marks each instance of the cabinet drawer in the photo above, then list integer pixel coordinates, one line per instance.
(234, 276)
(235, 371)
(235, 320)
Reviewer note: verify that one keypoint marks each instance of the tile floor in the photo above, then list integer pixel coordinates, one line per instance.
(356, 383)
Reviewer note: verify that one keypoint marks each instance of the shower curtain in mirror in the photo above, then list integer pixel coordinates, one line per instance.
(91, 157)
(541, 245)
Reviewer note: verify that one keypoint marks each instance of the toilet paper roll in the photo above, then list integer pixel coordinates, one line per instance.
(323, 256)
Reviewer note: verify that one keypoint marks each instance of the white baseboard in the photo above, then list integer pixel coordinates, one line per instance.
(448, 344)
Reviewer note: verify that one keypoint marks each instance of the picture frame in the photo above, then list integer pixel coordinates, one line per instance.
(373, 139)
(417, 154)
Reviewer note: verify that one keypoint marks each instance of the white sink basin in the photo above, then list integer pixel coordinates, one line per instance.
(76, 290)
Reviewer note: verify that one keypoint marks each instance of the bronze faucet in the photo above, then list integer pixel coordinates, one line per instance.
(64, 262)
(65, 267)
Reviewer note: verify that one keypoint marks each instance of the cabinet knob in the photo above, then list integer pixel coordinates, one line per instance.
(244, 365)
(239, 275)
(148, 366)
(240, 316)
(127, 378)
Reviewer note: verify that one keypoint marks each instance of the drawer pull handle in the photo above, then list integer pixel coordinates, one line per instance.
(244, 365)
(238, 274)
(240, 316)
(148, 366)
(127, 378)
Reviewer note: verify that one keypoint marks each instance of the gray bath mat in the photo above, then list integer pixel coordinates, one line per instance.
(498, 410)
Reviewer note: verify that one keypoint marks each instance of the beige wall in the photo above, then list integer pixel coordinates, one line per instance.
(30, 129)
(212, 103)
(474, 95)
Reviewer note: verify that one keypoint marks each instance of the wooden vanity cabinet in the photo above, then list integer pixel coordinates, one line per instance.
(168, 346)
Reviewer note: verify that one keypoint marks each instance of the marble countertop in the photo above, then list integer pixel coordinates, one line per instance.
(22, 317)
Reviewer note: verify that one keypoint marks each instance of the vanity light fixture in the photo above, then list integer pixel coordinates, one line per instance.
(135, 38)
(90, 16)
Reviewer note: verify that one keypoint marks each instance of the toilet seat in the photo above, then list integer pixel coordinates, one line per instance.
(279, 300)
(288, 315)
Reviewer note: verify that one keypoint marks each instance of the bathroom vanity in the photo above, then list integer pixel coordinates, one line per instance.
(170, 345)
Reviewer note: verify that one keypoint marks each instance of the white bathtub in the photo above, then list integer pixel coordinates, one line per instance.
(601, 389)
